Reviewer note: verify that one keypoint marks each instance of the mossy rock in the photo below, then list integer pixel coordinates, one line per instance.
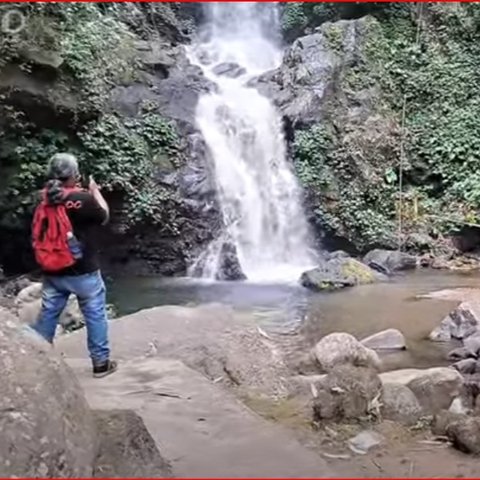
(361, 273)
(337, 273)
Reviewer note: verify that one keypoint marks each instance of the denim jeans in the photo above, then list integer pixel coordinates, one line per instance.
(90, 292)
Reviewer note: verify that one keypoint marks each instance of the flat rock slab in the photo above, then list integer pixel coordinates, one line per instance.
(201, 429)
(406, 375)
(454, 294)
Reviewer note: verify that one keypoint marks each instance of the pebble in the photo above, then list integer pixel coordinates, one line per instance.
(365, 441)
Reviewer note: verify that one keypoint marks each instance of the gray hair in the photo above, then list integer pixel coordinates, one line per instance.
(62, 166)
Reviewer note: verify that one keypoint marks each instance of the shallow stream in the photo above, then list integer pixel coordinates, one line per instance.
(284, 308)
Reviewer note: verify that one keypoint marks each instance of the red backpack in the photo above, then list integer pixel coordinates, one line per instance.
(50, 228)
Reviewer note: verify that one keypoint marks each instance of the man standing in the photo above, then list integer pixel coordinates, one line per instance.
(64, 245)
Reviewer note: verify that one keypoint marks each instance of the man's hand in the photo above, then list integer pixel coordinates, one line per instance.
(92, 185)
(97, 195)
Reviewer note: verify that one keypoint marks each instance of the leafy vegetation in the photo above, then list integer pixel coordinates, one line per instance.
(299, 18)
(84, 50)
(430, 57)
(343, 206)
(123, 154)
(73, 38)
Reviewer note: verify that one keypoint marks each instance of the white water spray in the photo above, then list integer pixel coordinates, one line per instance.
(258, 193)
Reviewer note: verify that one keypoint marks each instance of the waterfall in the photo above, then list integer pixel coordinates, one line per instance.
(258, 193)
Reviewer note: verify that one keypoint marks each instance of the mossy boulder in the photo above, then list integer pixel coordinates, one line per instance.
(338, 273)
(360, 272)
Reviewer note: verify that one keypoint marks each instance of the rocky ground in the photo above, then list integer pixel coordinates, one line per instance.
(191, 377)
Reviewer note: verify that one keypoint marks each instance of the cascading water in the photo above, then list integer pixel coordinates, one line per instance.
(258, 193)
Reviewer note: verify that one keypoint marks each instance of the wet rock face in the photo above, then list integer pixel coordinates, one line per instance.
(229, 265)
(169, 80)
(300, 85)
(315, 87)
(174, 85)
(230, 70)
(47, 427)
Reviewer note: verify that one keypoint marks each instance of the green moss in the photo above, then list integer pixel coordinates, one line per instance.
(351, 170)
(120, 153)
(90, 50)
(334, 35)
(346, 202)
(357, 270)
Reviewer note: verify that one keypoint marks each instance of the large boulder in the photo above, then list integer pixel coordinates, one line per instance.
(338, 272)
(390, 260)
(47, 427)
(390, 339)
(465, 434)
(29, 304)
(460, 323)
(400, 404)
(347, 392)
(342, 348)
(467, 366)
(442, 420)
(126, 448)
(434, 388)
(461, 353)
(471, 388)
(472, 343)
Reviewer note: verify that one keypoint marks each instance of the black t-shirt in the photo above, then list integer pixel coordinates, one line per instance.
(86, 215)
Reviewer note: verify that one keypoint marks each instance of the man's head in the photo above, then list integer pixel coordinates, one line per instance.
(63, 167)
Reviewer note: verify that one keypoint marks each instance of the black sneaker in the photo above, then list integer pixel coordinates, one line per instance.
(104, 369)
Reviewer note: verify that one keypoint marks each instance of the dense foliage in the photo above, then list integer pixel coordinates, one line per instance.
(83, 50)
(299, 18)
(428, 56)
(73, 38)
(122, 154)
(337, 185)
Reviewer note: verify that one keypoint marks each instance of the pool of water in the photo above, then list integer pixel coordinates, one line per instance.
(284, 308)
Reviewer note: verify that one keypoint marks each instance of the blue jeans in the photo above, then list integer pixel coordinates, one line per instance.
(91, 294)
